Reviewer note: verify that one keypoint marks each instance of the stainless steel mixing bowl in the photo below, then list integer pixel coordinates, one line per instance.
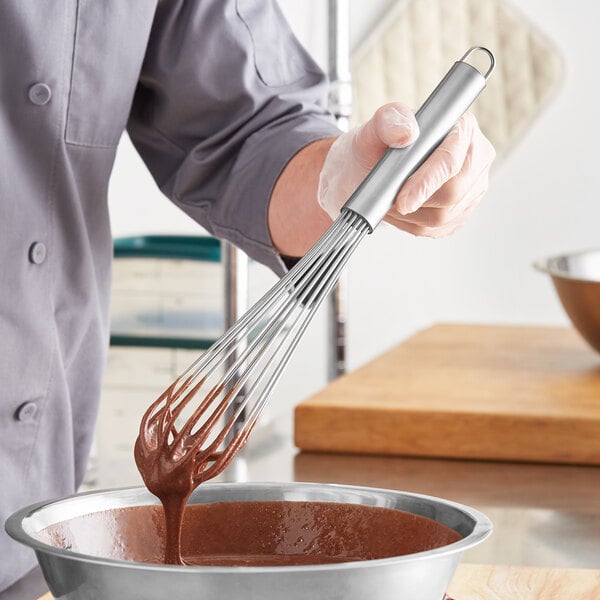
(576, 278)
(419, 576)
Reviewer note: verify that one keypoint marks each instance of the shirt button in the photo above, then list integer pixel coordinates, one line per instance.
(26, 411)
(40, 94)
(37, 253)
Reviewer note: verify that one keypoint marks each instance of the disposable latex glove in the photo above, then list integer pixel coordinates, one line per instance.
(438, 197)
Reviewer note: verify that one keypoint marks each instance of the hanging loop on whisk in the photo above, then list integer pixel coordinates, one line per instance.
(490, 56)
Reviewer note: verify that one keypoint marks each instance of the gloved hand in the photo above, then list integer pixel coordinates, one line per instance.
(438, 197)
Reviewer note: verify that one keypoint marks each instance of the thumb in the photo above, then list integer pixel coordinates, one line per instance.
(393, 125)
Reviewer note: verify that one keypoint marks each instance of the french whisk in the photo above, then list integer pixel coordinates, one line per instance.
(242, 368)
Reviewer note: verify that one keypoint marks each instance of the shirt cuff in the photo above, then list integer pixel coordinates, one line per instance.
(242, 216)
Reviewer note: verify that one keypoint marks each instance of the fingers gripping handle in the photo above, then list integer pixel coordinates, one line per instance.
(440, 112)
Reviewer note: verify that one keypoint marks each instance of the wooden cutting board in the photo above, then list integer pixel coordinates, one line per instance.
(466, 391)
(489, 582)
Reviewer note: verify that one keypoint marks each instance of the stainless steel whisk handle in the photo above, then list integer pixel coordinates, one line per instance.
(436, 117)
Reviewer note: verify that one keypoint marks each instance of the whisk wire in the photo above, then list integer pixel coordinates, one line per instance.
(225, 345)
(286, 311)
(268, 334)
(324, 272)
(323, 291)
(323, 277)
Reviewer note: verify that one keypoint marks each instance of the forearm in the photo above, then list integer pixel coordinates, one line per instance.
(296, 221)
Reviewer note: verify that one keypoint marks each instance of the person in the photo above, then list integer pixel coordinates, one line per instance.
(227, 110)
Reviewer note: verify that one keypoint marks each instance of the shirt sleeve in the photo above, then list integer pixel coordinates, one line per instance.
(226, 97)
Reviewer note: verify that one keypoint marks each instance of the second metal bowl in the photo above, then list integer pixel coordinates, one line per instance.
(576, 278)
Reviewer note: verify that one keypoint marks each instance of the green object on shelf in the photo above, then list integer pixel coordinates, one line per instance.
(168, 247)
(161, 342)
(190, 247)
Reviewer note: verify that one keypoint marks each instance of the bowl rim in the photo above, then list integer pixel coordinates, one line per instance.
(548, 265)
(481, 530)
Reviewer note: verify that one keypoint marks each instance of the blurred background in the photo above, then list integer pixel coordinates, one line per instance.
(542, 199)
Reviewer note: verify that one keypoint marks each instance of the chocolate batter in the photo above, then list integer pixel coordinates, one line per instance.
(254, 533)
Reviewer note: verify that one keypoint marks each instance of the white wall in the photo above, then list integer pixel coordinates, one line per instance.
(543, 200)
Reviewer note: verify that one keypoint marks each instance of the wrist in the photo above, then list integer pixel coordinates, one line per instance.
(295, 219)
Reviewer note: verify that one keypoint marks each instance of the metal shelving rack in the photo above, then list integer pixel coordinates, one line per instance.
(340, 104)
(165, 247)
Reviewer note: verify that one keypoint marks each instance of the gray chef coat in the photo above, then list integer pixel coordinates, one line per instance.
(217, 96)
